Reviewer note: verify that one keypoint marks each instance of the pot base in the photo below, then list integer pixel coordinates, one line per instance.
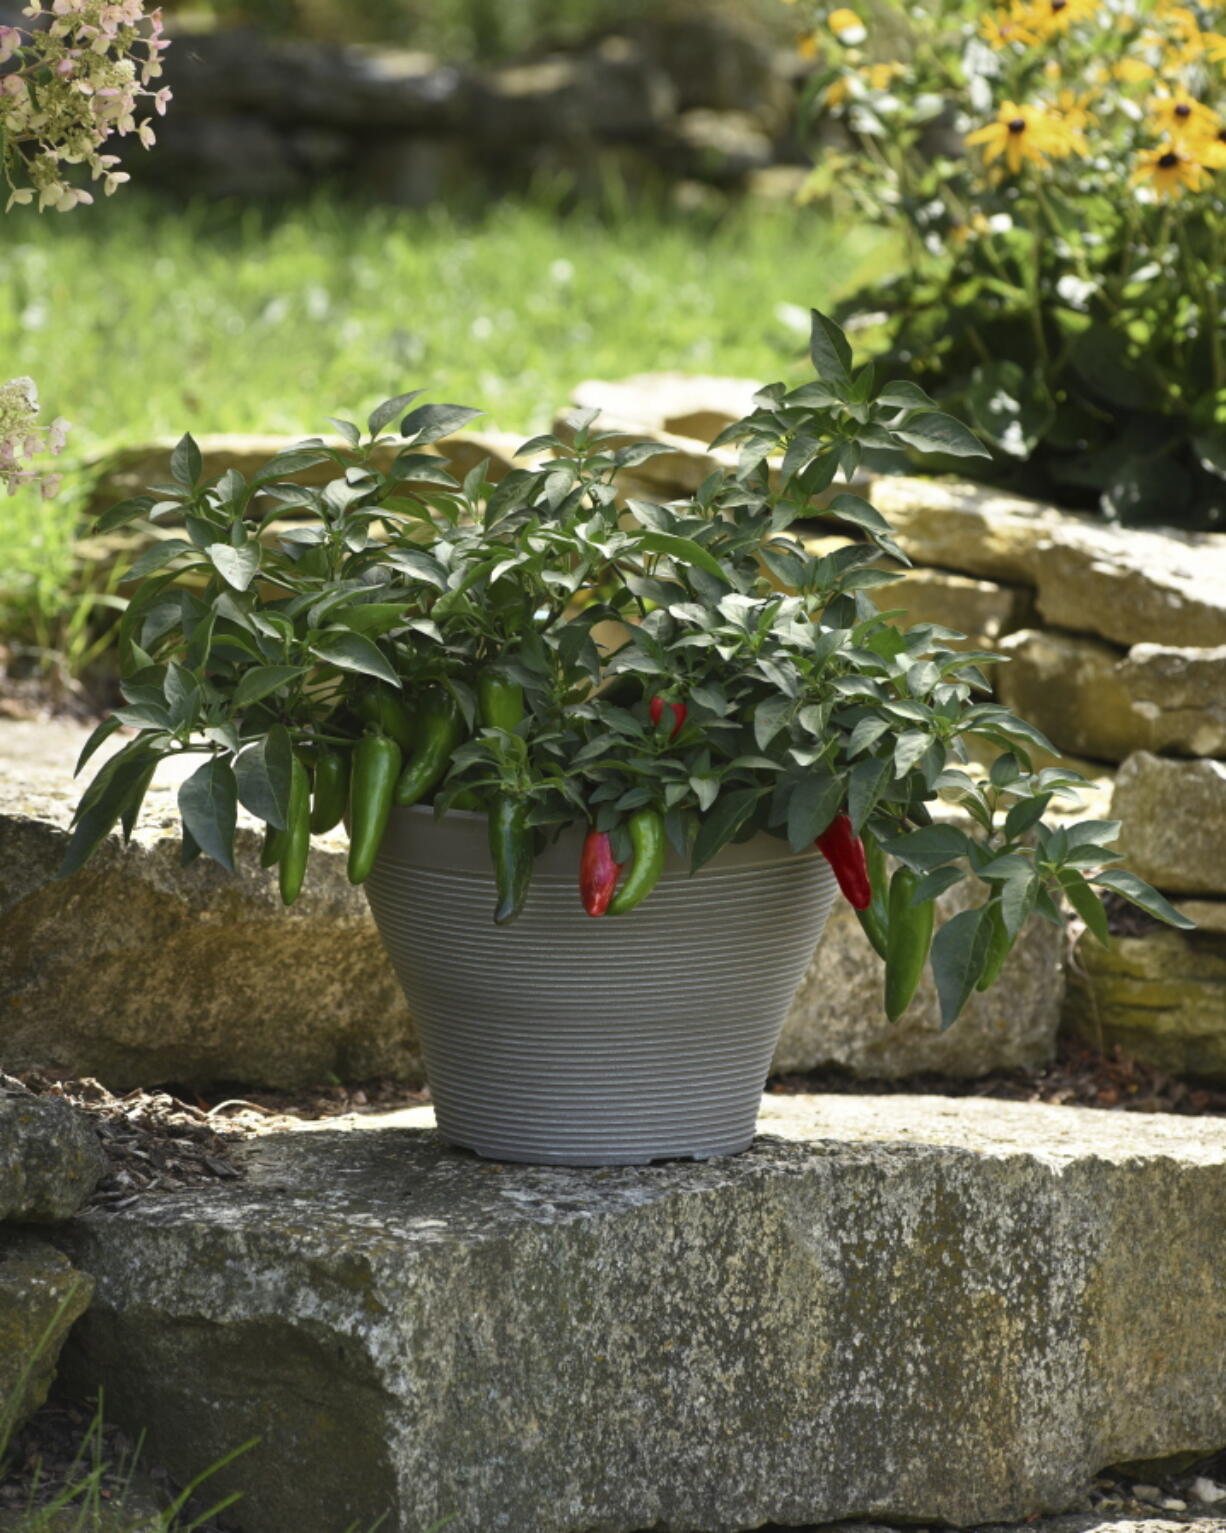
(579, 1159)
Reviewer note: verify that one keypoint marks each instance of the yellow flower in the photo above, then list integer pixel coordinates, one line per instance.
(1133, 71)
(882, 76)
(1004, 27)
(1181, 21)
(1170, 172)
(806, 45)
(847, 27)
(1075, 114)
(1051, 17)
(1215, 46)
(1181, 114)
(1023, 133)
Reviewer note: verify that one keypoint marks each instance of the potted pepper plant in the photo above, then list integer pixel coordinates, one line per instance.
(646, 739)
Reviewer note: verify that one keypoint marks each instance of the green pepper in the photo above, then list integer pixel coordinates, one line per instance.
(385, 708)
(908, 937)
(331, 788)
(500, 704)
(999, 944)
(513, 850)
(376, 766)
(647, 844)
(873, 918)
(270, 852)
(437, 737)
(296, 842)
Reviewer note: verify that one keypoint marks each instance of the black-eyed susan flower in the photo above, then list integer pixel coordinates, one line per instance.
(1004, 27)
(1051, 17)
(1214, 44)
(1169, 171)
(1133, 71)
(1177, 115)
(1023, 133)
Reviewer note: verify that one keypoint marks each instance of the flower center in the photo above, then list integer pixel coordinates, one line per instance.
(1183, 110)
(1058, 5)
(1168, 161)
(1017, 125)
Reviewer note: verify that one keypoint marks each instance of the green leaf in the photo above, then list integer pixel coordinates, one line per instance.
(262, 680)
(124, 511)
(813, 804)
(718, 828)
(904, 396)
(769, 718)
(429, 423)
(103, 732)
(238, 567)
(262, 773)
(122, 778)
(383, 414)
(685, 550)
(154, 557)
(1024, 814)
(1086, 903)
(1018, 897)
(352, 652)
(1091, 832)
(208, 802)
(933, 431)
(929, 847)
(829, 349)
(347, 429)
(908, 749)
(186, 464)
(935, 883)
(959, 951)
(1139, 893)
(868, 779)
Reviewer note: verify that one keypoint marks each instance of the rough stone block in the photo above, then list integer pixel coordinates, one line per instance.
(983, 610)
(838, 1017)
(41, 1295)
(1174, 822)
(1135, 587)
(683, 404)
(1160, 996)
(914, 1309)
(1092, 700)
(50, 1158)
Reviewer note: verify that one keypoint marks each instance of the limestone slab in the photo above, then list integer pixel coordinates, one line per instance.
(1174, 822)
(683, 404)
(50, 1158)
(894, 1309)
(41, 1295)
(1092, 700)
(1135, 587)
(838, 1017)
(1160, 997)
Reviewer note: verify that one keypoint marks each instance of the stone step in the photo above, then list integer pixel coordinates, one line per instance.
(139, 971)
(909, 1309)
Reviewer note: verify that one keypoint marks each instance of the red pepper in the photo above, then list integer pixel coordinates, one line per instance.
(598, 873)
(655, 712)
(844, 851)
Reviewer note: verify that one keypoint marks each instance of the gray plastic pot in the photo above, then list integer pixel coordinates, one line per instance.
(563, 1040)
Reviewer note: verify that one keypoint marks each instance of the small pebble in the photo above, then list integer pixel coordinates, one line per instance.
(1147, 1493)
(1173, 1504)
(1208, 1492)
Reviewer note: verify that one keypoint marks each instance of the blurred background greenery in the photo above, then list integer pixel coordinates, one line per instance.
(151, 314)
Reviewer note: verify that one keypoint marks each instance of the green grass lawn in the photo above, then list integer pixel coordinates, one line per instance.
(140, 321)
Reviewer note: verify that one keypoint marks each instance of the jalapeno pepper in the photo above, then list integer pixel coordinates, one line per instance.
(331, 788)
(512, 851)
(438, 734)
(386, 709)
(908, 938)
(376, 766)
(296, 843)
(844, 851)
(873, 918)
(598, 873)
(270, 852)
(655, 712)
(647, 842)
(500, 703)
(998, 947)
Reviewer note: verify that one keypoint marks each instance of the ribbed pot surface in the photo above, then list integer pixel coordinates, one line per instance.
(565, 1040)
